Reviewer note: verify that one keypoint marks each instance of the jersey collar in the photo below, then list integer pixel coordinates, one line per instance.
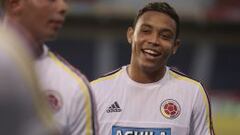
(157, 83)
(45, 52)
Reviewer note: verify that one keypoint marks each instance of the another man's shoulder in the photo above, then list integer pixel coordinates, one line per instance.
(68, 74)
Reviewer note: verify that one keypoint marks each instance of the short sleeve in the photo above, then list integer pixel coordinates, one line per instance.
(201, 121)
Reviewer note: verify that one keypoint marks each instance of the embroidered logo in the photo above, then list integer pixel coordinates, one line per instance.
(170, 109)
(54, 99)
(114, 108)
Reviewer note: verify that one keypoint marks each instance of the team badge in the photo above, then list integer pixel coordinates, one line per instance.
(54, 99)
(170, 109)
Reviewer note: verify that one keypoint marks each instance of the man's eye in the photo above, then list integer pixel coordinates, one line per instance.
(145, 30)
(166, 36)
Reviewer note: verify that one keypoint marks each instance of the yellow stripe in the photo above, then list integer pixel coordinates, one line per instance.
(109, 77)
(84, 89)
(179, 77)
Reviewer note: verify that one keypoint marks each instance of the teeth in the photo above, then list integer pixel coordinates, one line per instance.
(151, 52)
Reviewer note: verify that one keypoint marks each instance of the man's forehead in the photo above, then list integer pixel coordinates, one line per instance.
(151, 17)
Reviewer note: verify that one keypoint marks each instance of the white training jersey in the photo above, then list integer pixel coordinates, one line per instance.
(175, 105)
(68, 94)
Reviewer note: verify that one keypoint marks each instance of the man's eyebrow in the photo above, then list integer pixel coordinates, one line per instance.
(166, 30)
(146, 25)
(161, 29)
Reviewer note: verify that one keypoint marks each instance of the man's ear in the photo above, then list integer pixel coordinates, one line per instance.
(176, 45)
(130, 33)
(13, 6)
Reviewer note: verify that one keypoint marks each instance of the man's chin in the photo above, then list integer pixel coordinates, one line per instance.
(51, 37)
(150, 68)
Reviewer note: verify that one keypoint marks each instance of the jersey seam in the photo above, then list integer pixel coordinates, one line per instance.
(122, 122)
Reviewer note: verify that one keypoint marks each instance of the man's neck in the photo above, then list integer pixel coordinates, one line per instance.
(143, 76)
(35, 46)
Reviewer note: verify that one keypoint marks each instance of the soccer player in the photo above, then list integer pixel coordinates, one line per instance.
(147, 97)
(22, 110)
(66, 90)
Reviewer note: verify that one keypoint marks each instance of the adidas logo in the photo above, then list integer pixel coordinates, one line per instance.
(114, 108)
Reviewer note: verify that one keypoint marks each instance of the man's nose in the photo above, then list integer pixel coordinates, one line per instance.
(154, 39)
(63, 7)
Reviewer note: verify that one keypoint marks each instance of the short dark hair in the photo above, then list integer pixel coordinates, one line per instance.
(162, 7)
(2, 3)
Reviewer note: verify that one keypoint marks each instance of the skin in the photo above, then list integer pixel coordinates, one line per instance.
(36, 20)
(153, 41)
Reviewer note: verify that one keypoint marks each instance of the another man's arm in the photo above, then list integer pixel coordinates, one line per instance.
(82, 114)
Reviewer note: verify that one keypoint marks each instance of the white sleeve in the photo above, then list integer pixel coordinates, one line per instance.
(201, 121)
(81, 118)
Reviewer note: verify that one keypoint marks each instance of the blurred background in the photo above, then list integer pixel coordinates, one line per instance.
(94, 40)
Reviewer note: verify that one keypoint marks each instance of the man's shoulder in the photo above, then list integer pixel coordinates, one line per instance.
(183, 78)
(62, 72)
(108, 77)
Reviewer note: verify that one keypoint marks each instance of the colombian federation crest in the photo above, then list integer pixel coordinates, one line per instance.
(54, 99)
(170, 109)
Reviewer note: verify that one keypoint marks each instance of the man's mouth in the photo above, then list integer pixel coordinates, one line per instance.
(151, 52)
(57, 23)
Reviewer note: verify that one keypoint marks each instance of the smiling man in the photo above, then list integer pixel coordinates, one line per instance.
(147, 97)
(68, 93)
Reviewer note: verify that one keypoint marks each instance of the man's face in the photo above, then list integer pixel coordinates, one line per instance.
(153, 40)
(42, 18)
